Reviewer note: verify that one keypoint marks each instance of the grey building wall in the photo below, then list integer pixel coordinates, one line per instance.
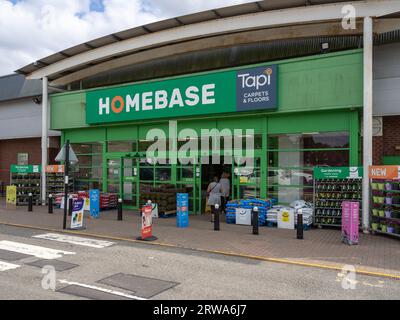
(21, 118)
(387, 80)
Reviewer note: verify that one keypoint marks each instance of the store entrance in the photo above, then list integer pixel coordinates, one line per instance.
(208, 172)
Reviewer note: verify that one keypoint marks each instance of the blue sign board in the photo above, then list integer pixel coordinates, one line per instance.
(182, 210)
(256, 88)
(94, 196)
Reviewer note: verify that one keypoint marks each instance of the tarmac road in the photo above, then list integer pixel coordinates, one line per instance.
(98, 269)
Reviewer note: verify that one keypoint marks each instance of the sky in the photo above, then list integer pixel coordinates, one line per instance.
(33, 29)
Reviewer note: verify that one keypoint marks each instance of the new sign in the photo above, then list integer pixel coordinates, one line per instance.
(218, 92)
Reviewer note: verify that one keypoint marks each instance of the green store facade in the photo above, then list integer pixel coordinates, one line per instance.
(315, 122)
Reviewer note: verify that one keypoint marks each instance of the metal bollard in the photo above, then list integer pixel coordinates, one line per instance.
(216, 218)
(119, 209)
(300, 224)
(255, 220)
(70, 206)
(50, 203)
(30, 202)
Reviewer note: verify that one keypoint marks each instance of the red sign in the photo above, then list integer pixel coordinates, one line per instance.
(147, 222)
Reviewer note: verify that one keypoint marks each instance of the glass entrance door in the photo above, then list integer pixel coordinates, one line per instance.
(129, 189)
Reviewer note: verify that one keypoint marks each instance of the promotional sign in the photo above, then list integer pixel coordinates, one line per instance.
(217, 92)
(154, 210)
(286, 219)
(338, 173)
(147, 221)
(384, 172)
(11, 195)
(25, 168)
(243, 216)
(182, 210)
(55, 168)
(94, 195)
(86, 205)
(350, 222)
(77, 214)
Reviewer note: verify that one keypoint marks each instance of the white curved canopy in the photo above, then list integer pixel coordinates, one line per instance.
(251, 22)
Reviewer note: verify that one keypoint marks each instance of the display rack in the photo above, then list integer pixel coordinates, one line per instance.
(385, 198)
(26, 178)
(55, 179)
(332, 186)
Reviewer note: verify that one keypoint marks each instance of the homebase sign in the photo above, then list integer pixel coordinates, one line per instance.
(218, 92)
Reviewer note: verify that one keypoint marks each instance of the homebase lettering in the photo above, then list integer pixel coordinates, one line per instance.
(160, 99)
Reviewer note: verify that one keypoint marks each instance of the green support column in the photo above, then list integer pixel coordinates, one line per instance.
(264, 159)
(104, 171)
(354, 125)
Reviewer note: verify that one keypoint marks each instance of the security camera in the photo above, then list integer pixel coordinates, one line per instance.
(37, 100)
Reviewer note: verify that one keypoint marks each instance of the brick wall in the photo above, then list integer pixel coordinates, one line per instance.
(10, 148)
(386, 145)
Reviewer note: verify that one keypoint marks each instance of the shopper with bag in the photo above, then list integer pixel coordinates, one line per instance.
(214, 192)
(226, 186)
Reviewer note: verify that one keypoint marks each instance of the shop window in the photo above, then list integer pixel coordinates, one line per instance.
(88, 172)
(163, 174)
(292, 157)
(145, 144)
(22, 159)
(121, 146)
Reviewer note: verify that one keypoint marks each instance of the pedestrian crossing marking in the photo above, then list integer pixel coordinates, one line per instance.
(37, 251)
(4, 266)
(81, 241)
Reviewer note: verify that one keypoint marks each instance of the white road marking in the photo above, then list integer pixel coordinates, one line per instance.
(37, 251)
(4, 266)
(117, 293)
(75, 240)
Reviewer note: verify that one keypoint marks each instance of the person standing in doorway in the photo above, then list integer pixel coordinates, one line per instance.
(214, 192)
(226, 186)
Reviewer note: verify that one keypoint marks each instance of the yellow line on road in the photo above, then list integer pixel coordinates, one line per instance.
(232, 254)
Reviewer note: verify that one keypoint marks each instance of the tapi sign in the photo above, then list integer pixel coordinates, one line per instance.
(202, 94)
(256, 88)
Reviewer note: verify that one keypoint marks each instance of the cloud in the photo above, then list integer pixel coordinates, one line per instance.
(33, 29)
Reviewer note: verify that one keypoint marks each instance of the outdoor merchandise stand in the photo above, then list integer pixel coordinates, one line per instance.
(385, 186)
(26, 178)
(332, 186)
(55, 179)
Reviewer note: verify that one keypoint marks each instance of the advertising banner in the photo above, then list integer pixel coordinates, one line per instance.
(384, 172)
(94, 195)
(11, 195)
(217, 92)
(350, 222)
(182, 210)
(77, 214)
(147, 221)
(338, 173)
